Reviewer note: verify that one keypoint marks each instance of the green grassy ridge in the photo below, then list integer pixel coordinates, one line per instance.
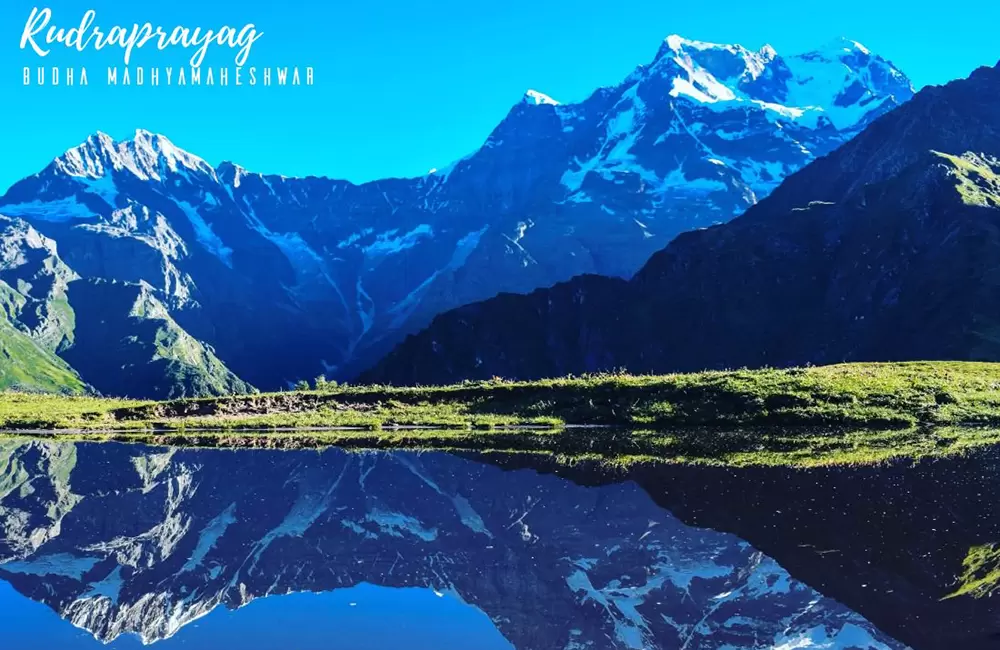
(980, 577)
(843, 414)
(870, 396)
(978, 182)
(27, 366)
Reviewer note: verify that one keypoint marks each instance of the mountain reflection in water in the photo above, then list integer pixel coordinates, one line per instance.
(131, 540)
(355, 618)
(889, 540)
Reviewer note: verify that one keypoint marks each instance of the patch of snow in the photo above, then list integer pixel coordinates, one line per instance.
(463, 249)
(762, 176)
(819, 78)
(817, 81)
(678, 180)
(622, 131)
(730, 135)
(699, 84)
(681, 571)
(308, 508)
(58, 564)
(412, 464)
(821, 637)
(631, 629)
(395, 524)
(354, 238)
(536, 98)
(365, 313)
(58, 211)
(469, 517)
(358, 529)
(102, 186)
(209, 536)
(390, 242)
(110, 587)
(205, 235)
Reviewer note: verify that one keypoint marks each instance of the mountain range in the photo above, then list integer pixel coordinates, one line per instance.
(137, 268)
(885, 249)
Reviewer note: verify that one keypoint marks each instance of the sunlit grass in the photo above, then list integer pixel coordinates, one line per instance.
(843, 414)
(981, 572)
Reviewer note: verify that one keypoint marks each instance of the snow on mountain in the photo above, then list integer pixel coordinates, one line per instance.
(536, 98)
(146, 155)
(842, 81)
(289, 277)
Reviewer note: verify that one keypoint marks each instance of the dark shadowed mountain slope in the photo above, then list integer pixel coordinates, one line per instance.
(127, 342)
(885, 249)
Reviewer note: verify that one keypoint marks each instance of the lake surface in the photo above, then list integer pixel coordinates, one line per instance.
(129, 545)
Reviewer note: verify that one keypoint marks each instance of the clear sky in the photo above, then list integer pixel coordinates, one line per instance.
(403, 86)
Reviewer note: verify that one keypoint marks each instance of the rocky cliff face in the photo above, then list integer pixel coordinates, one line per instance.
(132, 540)
(37, 322)
(286, 278)
(881, 250)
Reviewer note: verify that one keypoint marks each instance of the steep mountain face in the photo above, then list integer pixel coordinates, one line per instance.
(883, 250)
(37, 321)
(140, 346)
(132, 540)
(285, 278)
(119, 335)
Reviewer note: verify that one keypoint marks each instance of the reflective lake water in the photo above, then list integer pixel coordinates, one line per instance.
(130, 545)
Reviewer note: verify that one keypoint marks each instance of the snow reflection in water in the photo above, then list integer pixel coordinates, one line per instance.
(133, 541)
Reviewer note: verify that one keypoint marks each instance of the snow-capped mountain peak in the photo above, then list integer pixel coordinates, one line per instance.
(847, 80)
(842, 80)
(725, 62)
(535, 98)
(844, 44)
(711, 72)
(147, 156)
(87, 160)
(768, 51)
(230, 173)
(156, 147)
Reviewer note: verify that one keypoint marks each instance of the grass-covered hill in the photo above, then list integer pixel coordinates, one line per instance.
(27, 366)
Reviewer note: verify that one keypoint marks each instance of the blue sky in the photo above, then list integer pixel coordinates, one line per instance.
(404, 86)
